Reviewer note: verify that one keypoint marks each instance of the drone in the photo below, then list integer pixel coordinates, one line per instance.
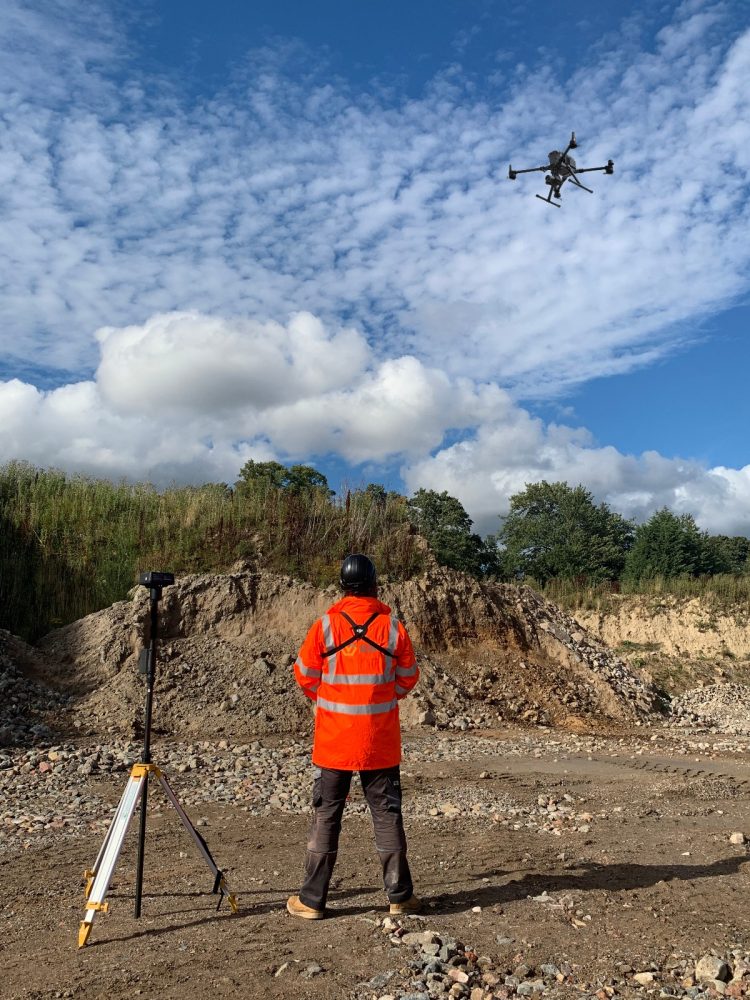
(562, 167)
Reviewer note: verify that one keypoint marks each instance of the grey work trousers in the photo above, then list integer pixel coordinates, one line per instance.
(382, 790)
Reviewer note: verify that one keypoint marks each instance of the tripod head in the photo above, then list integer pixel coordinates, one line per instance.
(156, 581)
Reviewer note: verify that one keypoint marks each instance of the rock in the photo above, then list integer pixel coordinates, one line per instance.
(644, 978)
(449, 809)
(421, 938)
(710, 968)
(737, 838)
(458, 975)
(312, 970)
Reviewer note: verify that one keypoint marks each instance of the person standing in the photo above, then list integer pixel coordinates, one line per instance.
(356, 664)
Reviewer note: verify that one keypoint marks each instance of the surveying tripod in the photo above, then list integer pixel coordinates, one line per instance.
(99, 877)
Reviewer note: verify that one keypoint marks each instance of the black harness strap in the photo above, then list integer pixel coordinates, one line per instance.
(360, 632)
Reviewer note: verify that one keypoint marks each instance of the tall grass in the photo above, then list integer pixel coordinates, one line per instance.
(72, 545)
(723, 591)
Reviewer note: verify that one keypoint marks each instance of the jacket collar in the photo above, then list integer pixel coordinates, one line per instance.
(360, 607)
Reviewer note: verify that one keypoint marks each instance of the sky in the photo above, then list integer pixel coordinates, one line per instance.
(286, 231)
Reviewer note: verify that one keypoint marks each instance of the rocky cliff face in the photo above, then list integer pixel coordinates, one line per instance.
(672, 626)
(488, 653)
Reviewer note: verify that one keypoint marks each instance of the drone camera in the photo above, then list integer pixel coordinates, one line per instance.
(155, 580)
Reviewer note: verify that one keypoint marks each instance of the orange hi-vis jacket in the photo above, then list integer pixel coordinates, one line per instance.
(357, 688)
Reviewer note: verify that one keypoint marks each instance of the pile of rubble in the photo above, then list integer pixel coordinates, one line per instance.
(720, 708)
(26, 703)
(488, 653)
(441, 966)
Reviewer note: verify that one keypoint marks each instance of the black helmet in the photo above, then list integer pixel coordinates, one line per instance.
(358, 575)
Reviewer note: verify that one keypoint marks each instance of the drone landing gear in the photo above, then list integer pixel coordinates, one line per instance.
(554, 189)
(581, 186)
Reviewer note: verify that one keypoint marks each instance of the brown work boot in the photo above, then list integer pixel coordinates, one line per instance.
(297, 908)
(411, 905)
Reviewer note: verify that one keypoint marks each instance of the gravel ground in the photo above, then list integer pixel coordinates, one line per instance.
(552, 864)
(52, 791)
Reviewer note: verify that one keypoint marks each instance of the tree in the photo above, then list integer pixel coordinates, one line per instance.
(555, 531)
(728, 554)
(442, 520)
(668, 545)
(293, 479)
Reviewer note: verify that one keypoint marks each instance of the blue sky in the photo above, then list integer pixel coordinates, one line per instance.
(284, 230)
(401, 45)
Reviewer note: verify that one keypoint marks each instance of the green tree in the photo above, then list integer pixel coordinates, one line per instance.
(555, 531)
(728, 554)
(443, 521)
(293, 479)
(668, 545)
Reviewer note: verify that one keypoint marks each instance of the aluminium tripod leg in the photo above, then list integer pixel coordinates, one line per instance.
(220, 884)
(90, 873)
(110, 852)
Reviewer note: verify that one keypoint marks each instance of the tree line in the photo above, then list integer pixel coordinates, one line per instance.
(554, 531)
(70, 545)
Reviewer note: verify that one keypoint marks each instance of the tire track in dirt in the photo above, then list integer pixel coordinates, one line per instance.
(666, 765)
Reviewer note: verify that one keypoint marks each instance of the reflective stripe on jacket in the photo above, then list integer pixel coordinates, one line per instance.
(357, 688)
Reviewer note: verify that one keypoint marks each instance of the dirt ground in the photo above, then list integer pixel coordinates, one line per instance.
(652, 877)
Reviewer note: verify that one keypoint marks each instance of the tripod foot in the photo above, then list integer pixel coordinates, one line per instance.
(83, 933)
(234, 906)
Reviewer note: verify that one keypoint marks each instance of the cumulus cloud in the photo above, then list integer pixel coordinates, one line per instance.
(186, 393)
(200, 364)
(503, 456)
(189, 398)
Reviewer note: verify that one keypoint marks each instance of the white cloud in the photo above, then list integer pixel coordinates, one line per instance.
(189, 398)
(186, 394)
(205, 365)
(503, 456)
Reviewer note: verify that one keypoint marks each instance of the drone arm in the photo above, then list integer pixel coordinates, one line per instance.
(608, 169)
(571, 145)
(529, 170)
